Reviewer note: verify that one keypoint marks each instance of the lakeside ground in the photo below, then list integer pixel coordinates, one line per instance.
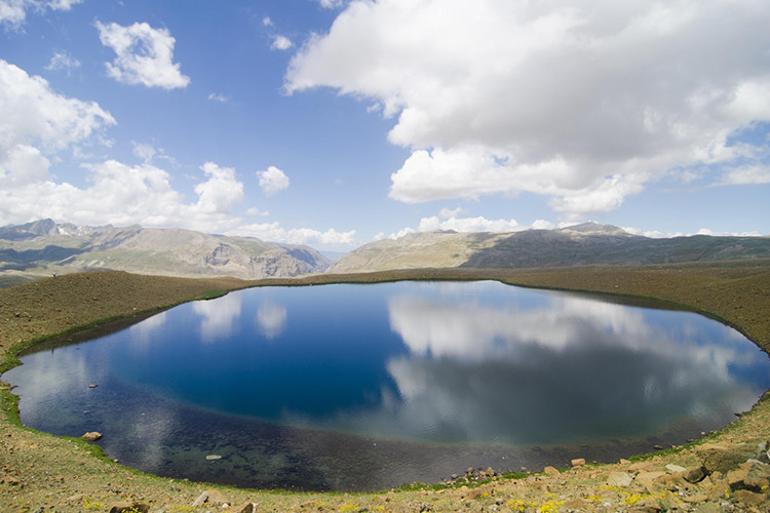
(41, 472)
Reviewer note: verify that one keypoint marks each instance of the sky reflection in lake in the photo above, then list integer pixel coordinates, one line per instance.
(363, 386)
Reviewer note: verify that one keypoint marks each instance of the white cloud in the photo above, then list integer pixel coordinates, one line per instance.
(61, 60)
(276, 232)
(584, 102)
(467, 224)
(13, 13)
(144, 55)
(267, 21)
(37, 125)
(255, 212)
(272, 180)
(281, 43)
(331, 4)
(221, 191)
(746, 175)
(217, 97)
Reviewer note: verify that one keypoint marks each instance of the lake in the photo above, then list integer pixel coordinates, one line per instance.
(360, 387)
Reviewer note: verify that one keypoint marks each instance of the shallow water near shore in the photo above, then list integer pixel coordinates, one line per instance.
(352, 387)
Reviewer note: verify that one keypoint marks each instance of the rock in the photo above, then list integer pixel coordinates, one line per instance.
(647, 479)
(213, 457)
(708, 507)
(675, 469)
(624, 461)
(696, 475)
(125, 507)
(721, 458)
(201, 500)
(622, 479)
(551, 471)
(249, 507)
(753, 476)
(93, 385)
(578, 462)
(91, 436)
(216, 497)
(645, 508)
(750, 498)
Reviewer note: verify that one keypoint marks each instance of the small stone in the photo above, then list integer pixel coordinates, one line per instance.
(93, 385)
(201, 500)
(675, 469)
(696, 475)
(213, 457)
(551, 471)
(621, 479)
(125, 507)
(578, 462)
(624, 461)
(249, 507)
(92, 436)
(215, 497)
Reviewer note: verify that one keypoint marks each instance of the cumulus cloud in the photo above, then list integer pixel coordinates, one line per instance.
(62, 60)
(276, 232)
(449, 219)
(38, 124)
(281, 43)
(272, 180)
(13, 13)
(143, 55)
(584, 102)
(267, 21)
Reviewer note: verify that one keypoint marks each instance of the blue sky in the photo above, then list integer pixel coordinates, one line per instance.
(381, 124)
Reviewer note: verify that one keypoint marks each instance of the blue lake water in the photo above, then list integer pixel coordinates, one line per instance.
(351, 387)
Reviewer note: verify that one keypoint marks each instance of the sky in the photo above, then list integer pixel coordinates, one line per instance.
(334, 123)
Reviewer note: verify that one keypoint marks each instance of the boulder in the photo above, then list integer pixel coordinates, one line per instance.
(125, 507)
(621, 479)
(201, 500)
(696, 475)
(722, 458)
(748, 498)
(551, 471)
(91, 436)
(647, 479)
(675, 469)
(753, 476)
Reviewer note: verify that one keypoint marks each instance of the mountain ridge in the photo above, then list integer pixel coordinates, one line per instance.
(47, 246)
(582, 244)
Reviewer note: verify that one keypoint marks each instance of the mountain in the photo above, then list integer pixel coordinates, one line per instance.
(47, 246)
(583, 244)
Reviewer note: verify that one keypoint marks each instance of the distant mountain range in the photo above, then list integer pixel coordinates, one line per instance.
(583, 244)
(47, 246)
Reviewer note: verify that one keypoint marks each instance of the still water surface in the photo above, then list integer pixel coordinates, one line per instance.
(369, 386)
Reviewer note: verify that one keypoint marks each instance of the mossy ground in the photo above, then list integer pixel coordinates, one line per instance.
(38, 470)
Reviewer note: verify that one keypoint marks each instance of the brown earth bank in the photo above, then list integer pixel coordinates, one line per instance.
(728, 471)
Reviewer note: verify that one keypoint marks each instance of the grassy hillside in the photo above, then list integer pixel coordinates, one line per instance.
(40, 470)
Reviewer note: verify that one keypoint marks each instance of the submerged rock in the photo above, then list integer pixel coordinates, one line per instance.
(213, 457)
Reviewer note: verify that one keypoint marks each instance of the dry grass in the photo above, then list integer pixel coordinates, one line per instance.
(37, 469)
